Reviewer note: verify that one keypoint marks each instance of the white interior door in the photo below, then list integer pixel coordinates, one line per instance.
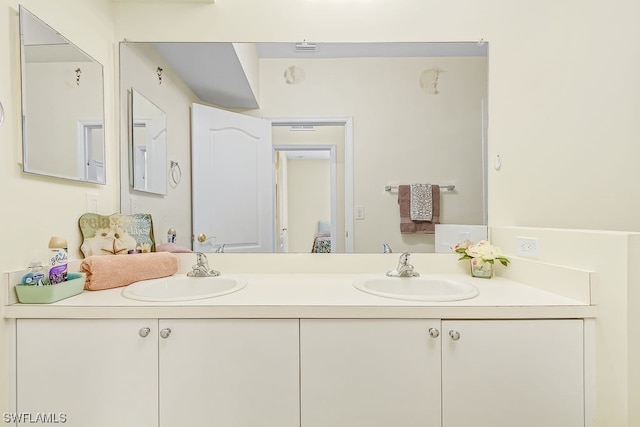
(282, 202)
(232, 181)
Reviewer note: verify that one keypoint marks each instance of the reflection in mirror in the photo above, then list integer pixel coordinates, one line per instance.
(417, 114)
(148, 145)
(62, 105)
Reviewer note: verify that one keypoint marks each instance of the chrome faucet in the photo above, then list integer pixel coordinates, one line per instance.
(386, 249)
(201, 269)
(404, 269)
(220, 249)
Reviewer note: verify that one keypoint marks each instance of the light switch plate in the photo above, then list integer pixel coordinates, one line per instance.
(92, 202)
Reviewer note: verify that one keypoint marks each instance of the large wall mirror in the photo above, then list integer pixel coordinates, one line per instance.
(350, 122)
(62, 105)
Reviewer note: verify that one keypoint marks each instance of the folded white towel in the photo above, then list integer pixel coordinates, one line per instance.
(421, 202)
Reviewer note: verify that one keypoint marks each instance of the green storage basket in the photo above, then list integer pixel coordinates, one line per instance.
(29, 294)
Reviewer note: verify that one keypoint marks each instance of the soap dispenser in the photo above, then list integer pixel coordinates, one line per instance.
(35, 275)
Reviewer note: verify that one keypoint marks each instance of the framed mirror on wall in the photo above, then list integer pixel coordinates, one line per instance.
(62, 105)
(148, 149)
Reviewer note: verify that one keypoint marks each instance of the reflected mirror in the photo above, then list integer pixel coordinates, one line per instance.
(62, 105)
(148, 145)
(417, 113)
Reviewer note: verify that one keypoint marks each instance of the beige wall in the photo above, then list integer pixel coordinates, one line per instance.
(173, 210)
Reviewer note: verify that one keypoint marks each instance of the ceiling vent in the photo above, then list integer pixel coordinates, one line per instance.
(302, 127)
(305, 47)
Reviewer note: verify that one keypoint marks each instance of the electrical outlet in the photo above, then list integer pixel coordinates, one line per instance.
(528, 247)
(91, 200)
(133, 205)
(359, 212)
(464, 236)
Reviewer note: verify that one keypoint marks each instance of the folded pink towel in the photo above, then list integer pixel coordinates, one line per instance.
(105, 272)
(173, 248)
(408, 226)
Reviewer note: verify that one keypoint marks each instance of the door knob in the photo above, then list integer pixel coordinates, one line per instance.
(203, 238)
(455, 335)
(165, 333)
(434, 332)
(144, 332)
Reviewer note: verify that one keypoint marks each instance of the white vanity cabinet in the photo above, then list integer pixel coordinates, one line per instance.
(167, 373)
(480, 373)
(96, 372)
(229, 372)
(303, 372)
(516, 373)
(370, 372)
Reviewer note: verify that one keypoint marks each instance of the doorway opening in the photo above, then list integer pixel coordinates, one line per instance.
(305, 198)
(292, 132)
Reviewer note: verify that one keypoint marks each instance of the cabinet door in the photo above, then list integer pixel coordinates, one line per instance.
(94, 372)
(370, 373)
(512, 373)
(229, 372)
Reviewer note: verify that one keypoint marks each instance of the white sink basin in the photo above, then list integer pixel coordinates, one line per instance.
(418, 288)
(182, 288)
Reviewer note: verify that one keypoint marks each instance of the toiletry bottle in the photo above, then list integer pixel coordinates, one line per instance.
(34, 275)
(58, 259)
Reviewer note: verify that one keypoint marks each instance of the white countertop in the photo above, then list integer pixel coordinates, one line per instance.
(317, 296)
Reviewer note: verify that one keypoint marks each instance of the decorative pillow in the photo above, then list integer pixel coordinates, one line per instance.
(116, 234)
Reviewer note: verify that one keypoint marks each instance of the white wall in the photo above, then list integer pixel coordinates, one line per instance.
(138, 67)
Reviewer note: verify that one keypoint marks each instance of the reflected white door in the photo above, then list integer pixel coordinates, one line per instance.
(282, 200)
(232, 181)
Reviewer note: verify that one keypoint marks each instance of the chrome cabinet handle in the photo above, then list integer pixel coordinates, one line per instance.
(455, 335)
(165, 333)
(434, 332)
(143, 332)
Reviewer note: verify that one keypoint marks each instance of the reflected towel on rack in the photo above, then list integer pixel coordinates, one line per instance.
(407, 225)
(421, 202)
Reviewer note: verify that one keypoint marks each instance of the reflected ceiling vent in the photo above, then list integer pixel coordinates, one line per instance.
(305, 47)
(301, 128)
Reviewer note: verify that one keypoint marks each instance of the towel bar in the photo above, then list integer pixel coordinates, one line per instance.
(442, 187)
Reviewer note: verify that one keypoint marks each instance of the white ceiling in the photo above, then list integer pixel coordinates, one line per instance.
(214, 73)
